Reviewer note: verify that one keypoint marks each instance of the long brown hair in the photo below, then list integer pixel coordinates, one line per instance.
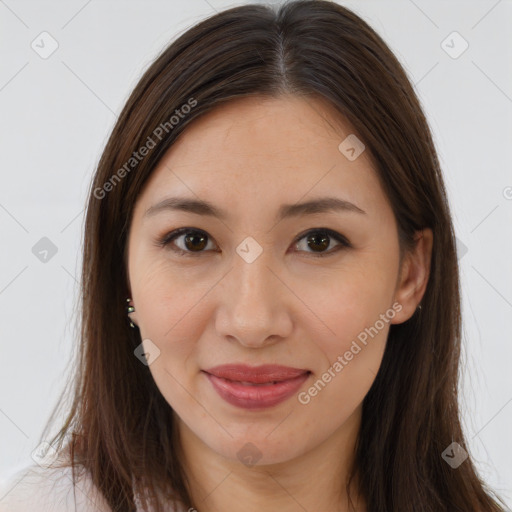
(118, 425)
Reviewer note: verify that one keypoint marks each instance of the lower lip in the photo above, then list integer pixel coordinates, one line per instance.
(256, 396)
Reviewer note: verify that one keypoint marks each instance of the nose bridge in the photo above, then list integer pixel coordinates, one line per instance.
(254, 279)
(254, 286)
(252, 308)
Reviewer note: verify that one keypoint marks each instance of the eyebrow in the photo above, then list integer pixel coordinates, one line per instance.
(200, 207)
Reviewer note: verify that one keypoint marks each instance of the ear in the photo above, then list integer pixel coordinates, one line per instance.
(413, 276)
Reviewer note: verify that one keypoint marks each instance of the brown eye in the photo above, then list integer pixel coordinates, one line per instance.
(193, 242)
(319, 240)
(186, 241)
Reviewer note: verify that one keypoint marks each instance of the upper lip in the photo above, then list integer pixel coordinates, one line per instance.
(255, 374)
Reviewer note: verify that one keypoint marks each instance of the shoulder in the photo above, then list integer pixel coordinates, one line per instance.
(37, 488)
(44, 488)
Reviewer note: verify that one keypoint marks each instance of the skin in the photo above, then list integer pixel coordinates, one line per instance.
(287, 307)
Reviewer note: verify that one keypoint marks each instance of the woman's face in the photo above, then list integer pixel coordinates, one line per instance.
(251, 288)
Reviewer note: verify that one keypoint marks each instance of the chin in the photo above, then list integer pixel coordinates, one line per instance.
(257, 451)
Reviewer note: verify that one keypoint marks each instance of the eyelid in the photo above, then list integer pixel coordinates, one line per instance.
(169, 237)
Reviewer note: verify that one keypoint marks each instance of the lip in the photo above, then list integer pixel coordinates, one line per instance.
(256, 387)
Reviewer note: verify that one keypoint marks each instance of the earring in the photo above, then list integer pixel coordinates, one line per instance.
(130, 309)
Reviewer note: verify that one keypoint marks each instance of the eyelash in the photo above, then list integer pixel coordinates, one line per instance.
(167, 239)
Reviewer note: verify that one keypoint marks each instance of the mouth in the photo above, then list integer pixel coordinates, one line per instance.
(256, 387)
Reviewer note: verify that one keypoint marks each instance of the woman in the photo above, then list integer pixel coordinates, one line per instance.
(271, 310)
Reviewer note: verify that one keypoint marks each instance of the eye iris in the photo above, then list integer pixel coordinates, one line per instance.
(318, 241)
(319, 238)
(195, 236)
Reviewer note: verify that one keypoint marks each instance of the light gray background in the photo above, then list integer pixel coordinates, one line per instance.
(56, 114)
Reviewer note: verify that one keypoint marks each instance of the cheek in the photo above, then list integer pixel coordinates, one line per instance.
(352, 360)
(173, 319)
(349, 301)
(356, 312)
(166, 298)
(173, 312)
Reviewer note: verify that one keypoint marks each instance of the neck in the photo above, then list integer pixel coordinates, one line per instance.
(314, 480)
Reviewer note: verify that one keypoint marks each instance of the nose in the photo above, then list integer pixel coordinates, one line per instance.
(253, 304)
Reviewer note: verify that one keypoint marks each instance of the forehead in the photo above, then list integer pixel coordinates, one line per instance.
(258, 128)
(257, 150)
